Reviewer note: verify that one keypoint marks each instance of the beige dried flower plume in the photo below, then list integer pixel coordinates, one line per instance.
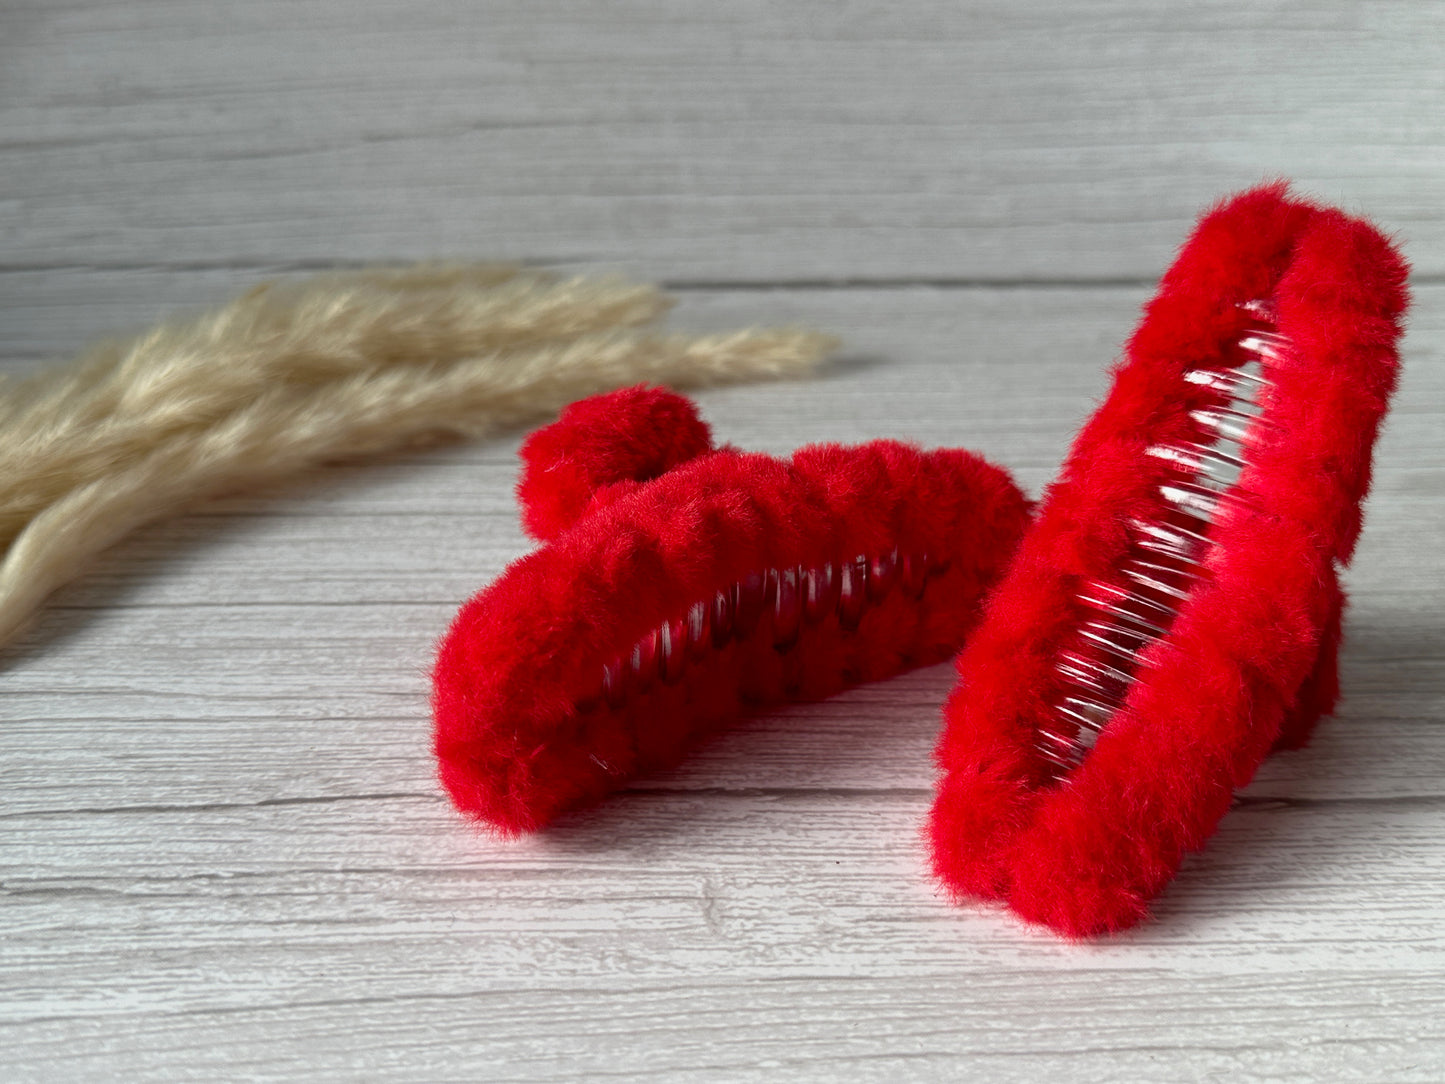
(286, 377)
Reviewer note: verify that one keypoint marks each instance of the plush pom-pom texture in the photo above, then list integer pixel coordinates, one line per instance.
(683, 586)
(623, 438)
(1249, 662)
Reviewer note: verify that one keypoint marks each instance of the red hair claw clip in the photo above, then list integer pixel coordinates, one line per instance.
(1174, 613)
(681, 585)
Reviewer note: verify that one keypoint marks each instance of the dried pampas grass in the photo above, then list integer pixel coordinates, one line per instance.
(286, 377)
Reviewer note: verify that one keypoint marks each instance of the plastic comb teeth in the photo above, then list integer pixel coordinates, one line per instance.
(779, 602)
(1169, 551)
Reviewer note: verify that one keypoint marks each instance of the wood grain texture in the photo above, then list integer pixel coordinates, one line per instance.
(225, 846)
(703, 141)
(222, 850)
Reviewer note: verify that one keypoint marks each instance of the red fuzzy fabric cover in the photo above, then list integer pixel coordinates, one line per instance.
(644, 519)
(1249, 663)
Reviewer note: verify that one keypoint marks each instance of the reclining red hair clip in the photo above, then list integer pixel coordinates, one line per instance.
(1175, 611)
(681, 584)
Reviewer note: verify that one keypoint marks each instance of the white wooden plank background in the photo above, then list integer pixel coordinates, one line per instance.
(222, 852)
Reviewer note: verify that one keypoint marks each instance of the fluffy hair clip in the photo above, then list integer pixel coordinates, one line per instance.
(682, 584)
(1175, 611)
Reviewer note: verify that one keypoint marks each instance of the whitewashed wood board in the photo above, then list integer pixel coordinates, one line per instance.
(709, 142)
(225, 851)
(222, 850)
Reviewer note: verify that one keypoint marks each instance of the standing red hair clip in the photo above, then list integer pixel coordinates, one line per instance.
(1174, 613)
(682, 584)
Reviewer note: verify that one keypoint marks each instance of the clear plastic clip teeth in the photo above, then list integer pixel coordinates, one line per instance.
(1129, 613)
